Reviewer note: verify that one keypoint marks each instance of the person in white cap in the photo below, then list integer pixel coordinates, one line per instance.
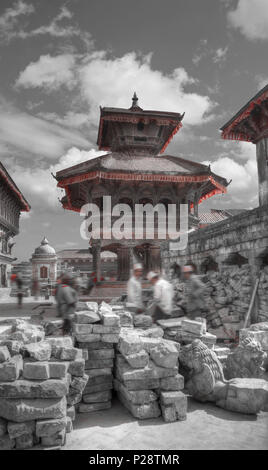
(134, 288)
(162, 297)
(194, 290)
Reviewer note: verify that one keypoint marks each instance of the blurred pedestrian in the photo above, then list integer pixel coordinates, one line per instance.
(194, 292)
(162, 304)
(19, 284)
(134, 288)
(67, 299)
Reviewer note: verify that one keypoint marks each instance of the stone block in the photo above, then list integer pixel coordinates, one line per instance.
(3, 427)
(99, 363)
(107, 330)
(110, 319)
(82, 328)
(173, 406)
(74, 397)
(95, 345)
(71, 412)
(93, 373)
(193, 326)
(101, 354)
(86, 317)
(145, 384)
(67, 353)
(21, 388)
(77, 367)
(78, 383)
(94, 388)
(165, 354)
(85, 354)
(172, 383)
(38, 351)
(152, 371)
(57, 439)
(247, 396)
(59, 342)
(20, 410)
(69, 425)
(142, 321)
(88, 338)
(14, 347)
(16, 430)
(98, 397)
(90, 407)
(49, 427)
(138, 360)
(110, 338)
(145, 411)
(36, 370)
(58, 370)
(10, 370)
(137, 397)
(129, 344)
(6, 443)
(4, 354)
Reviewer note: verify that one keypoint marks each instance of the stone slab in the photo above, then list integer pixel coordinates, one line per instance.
(20, 410)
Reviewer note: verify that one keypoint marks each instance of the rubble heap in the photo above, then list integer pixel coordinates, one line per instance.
(228, 297)
(40, 381)
(96, 331)
(146, 375)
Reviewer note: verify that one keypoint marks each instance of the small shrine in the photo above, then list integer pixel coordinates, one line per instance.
(44, 263)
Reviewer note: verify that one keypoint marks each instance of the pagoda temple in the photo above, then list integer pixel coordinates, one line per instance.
(250, 124)
(135, 171)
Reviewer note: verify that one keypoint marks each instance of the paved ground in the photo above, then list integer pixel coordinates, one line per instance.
(206, 427)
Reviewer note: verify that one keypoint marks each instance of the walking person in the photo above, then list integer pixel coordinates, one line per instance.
(19, 284)
(162, 304)
(194, 292)
(67, 300)
(134, 288)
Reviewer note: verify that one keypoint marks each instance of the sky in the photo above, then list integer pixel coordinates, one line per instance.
(60, 60)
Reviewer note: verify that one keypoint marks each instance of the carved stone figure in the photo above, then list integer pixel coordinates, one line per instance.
(246, 360)
(205, 381)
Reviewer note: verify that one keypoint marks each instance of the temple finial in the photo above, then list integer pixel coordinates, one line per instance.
(135, 100)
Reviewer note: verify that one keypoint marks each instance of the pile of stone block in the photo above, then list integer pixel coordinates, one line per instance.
(259, 332)
(40, 381)
(227, 298)
(96, 331)
(147, 380)
(263, 295)
(184, 331)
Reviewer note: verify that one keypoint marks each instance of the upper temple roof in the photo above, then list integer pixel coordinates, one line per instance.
(6, 178)
(135, 130)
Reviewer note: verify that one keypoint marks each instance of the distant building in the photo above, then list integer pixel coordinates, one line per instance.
(80, 260)
(12, 203)
(44, 263)
(217, 215)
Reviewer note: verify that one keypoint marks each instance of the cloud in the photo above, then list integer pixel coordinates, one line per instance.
(57, 28)
(251, 18)
(111, 82)
(108, 81)
(26, 135)
(49, 73)
(38, 185)
(204, 51)
(243, 190)
(10, 18)
(220, 55)
(261, 80)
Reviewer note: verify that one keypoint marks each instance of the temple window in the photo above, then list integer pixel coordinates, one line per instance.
(43, 272)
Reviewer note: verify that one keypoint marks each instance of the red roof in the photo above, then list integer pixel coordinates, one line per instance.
(5, 176)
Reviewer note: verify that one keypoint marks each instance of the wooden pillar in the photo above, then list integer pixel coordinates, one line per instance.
(96, 253)
(123, 263)
(262, 162)
(154, 258)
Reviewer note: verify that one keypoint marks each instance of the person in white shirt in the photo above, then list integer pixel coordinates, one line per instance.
(134, 288)
(162, 297)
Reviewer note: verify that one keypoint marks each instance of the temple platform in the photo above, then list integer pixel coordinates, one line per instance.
(108, 290)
